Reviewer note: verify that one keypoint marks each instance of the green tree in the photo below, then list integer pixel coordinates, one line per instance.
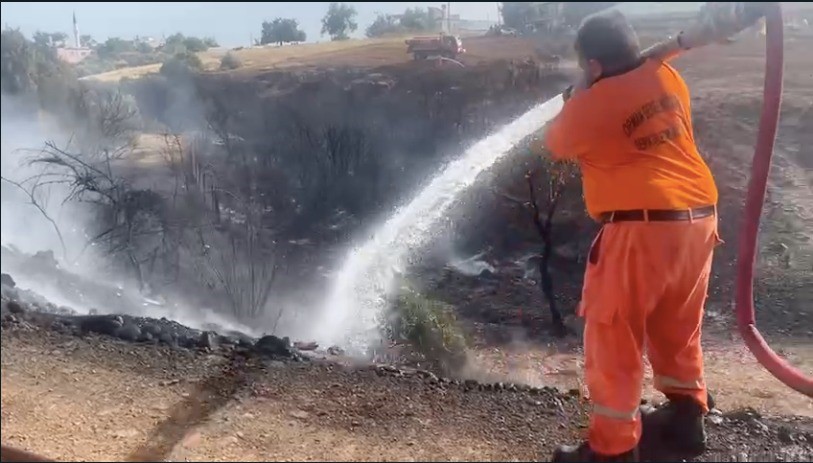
(17, 63)
(42, 39)
(115, 46)
(88, 41)
(339, 21)
(59, 38)
(517, 15)
(412, 20)
(179, 43)
(575, 12)
(33, 70)
(520, 15)
(144, 48)
(418, 20)
(195, 44)
(384, 24)
(182, 64)
(282, 30)
(49, 39)
(174, 44)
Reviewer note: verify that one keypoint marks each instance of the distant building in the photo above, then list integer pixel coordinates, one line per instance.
(452, 23)
(471, 26)
(73, 55)
(149, 41)
(76, 53)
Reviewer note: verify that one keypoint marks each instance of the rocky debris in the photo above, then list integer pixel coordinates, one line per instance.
(15, 307)
(27, 309)
(277, 348)
(306, 346)
(99, 324)
(75, 288)
(471, 385)
(129, 332)
(335, 350)
(208, 340)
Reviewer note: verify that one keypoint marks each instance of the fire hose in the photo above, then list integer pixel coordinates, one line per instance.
(746, 319)
(719, 22)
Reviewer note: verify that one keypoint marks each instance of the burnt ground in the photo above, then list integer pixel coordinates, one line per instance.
(96, 398)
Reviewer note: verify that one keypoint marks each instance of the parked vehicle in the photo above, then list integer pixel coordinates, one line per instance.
(447, 46)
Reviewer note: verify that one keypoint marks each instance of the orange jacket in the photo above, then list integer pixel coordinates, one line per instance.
(632, 136)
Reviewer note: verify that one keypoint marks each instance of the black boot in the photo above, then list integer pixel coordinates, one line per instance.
(677, 424)
(583, 453)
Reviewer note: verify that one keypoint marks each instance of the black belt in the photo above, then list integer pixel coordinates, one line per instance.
(658, 215)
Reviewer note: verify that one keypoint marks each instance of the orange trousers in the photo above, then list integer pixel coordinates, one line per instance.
(644, 288)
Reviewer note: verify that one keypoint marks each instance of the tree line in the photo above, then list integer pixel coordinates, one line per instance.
(340, 21)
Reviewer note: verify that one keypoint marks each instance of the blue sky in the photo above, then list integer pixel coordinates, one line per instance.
(232, 24)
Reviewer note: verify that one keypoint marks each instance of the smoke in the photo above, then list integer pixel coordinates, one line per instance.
(37, 218)
(22, 135)
(472, 266)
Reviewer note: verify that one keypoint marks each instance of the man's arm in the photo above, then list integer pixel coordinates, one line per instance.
(565, 135)
(717, 22)
(666, 50)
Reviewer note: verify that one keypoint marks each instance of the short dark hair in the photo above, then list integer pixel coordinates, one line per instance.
(608, 38)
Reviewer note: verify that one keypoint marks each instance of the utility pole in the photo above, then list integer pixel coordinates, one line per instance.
(499, 13)
(449, 17)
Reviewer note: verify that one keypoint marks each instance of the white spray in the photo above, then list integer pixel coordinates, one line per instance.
(358, 299)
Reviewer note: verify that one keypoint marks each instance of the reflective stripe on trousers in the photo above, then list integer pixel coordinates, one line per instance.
(669, 382)
(615, 414)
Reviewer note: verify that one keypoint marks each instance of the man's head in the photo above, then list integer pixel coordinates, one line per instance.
(606, 44)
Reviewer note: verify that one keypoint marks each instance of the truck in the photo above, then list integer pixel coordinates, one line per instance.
(447, 46)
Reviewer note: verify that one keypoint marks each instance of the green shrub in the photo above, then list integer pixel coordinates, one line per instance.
(230, 61)
(181, 64)
(432, 328)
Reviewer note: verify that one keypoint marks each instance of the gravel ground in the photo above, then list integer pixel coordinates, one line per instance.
(99, 398)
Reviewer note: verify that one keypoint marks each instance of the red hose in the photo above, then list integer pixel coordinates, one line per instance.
(766, 136)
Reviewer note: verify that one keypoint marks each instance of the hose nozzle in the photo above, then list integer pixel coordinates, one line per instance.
(717, 22)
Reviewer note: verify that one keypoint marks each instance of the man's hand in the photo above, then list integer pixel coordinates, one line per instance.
(579, 86)
(567, 93)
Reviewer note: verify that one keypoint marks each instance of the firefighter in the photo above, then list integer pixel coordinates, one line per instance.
(628, 125)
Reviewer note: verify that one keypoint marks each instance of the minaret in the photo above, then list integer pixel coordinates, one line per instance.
(76, 40)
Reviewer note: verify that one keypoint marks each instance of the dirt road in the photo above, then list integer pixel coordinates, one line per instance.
(103, 400)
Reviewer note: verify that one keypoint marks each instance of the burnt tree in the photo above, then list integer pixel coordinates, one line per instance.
(547, 186)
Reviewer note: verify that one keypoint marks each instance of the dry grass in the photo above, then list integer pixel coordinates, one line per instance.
(125, 73)
(362, 53)
(270, 56)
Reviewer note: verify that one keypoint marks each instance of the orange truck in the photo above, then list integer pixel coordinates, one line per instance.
(447, 46)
